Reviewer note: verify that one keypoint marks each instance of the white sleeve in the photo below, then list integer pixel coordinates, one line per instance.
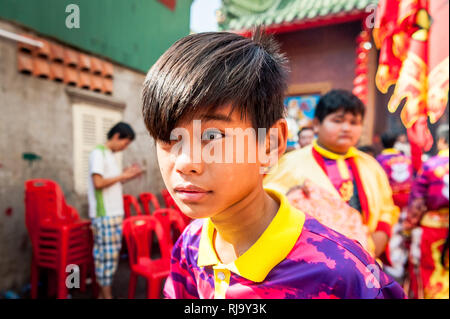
(96, 163)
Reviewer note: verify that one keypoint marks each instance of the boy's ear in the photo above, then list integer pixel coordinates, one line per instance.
(276, 140)
(316, 125)
(116, 136)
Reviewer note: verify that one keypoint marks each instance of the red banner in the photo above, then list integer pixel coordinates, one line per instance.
(412, 36)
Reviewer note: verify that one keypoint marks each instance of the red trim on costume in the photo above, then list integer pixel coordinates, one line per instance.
(319, 159)
(361, 192)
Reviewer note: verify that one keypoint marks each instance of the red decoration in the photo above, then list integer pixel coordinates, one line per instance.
(360, 83)
(171, 4)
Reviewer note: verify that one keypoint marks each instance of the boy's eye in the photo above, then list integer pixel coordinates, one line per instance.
(210, 135)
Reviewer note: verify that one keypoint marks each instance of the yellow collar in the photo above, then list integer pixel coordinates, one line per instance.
(443, 153)
(352, 152)
(390, 151)
(268, 251)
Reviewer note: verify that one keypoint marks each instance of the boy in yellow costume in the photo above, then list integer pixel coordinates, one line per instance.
(334, 164)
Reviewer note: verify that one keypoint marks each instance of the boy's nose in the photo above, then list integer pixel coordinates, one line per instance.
(188, 164)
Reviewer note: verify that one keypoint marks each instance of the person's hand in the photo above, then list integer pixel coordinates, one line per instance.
(131, 172)
(415, 212)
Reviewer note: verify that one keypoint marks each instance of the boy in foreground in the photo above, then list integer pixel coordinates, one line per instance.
(214, 104)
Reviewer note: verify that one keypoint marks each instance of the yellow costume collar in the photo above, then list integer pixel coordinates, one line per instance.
(352, 152)
(443, 153)
(390, 151)
(268, 251)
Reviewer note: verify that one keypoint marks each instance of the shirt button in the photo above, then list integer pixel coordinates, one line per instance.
(221, 275)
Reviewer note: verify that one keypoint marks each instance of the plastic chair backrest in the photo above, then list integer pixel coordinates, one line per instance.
(130, 201)
(172, 222)
(138, 232)
(147, 198)
(44, 201)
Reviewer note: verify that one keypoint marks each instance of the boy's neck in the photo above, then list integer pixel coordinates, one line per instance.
(108, 145)
(342, 152)
(241, 225)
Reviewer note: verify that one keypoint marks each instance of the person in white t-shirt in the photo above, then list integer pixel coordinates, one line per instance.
(106, 203)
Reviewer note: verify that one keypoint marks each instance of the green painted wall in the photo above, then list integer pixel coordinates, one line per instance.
(131, 32)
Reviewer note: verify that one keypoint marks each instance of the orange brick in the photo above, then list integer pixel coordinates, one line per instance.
(96, 83)
(71, 76)
(107, 69)
(107, 86)
(96, 66)
(70, 57)
(56, 52)
(57, 71)
(85, 80)
(85, 62)
(25, 62)
(41, 67)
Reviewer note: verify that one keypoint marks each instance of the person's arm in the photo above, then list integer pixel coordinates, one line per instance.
(129, 173)
(100, 182)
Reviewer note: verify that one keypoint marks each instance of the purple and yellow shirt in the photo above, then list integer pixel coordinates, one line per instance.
(432, 182)
(399, 169)
(295, 257)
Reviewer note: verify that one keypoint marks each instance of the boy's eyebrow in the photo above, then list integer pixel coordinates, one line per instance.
(216, 117)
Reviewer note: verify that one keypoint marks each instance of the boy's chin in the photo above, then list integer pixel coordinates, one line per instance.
(195, 212)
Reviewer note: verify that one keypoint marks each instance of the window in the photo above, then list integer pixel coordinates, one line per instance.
(90, 126)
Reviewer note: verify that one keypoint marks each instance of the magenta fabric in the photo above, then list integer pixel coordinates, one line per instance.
(432, 183)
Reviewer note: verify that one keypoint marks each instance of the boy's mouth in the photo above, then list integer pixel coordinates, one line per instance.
(190, 193)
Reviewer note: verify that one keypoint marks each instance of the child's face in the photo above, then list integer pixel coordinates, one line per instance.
(339, 131)
(202, 187)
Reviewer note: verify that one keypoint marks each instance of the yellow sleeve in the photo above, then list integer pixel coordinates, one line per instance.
(284, 175)
(389, 212)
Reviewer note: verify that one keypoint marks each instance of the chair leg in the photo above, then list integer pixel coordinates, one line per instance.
(61, 271)
(52, 282)
(153, 288)
(83, 276)
(132, 285)
(61, 285)
(34, 278)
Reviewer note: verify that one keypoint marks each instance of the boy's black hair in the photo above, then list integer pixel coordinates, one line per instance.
(369, 149)
(204, 71)
(124, 130)
(336, 100)
(388, 139)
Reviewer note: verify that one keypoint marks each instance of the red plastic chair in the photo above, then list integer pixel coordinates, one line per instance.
(58, 236)
(138, 232)
(129, 202)
(170, 203)
(172, 223)
(146, 199)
